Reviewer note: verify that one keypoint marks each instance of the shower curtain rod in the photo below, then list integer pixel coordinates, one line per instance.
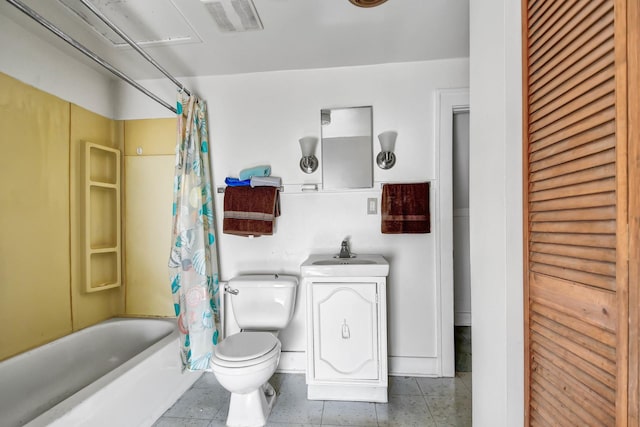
(77, 45)
(133, 44)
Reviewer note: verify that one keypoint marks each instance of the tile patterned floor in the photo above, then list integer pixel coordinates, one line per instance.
(462, 339)
(423, 402)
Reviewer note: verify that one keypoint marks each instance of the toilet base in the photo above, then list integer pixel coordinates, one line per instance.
(251, 409)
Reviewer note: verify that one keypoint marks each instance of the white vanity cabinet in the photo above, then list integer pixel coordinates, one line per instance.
(346, 337)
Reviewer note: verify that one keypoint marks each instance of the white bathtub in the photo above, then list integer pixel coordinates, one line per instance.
(121, 372)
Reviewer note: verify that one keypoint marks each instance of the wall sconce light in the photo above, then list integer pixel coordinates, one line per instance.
(308, 162)
(386, 158)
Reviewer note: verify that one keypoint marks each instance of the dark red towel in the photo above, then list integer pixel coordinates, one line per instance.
(405, 208)
(250, 211)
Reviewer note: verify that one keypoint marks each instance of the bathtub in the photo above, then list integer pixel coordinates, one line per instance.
(121, 372)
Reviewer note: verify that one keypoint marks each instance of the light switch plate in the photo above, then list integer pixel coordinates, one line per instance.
(372, 206)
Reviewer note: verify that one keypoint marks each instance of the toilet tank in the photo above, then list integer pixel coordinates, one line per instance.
(263, 301)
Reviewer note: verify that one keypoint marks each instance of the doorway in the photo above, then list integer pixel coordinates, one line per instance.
(461, 261)
(449, 102)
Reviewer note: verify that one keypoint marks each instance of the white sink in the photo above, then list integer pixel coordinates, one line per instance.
(358, 265)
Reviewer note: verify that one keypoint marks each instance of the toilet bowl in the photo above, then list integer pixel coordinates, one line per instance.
(244, 362)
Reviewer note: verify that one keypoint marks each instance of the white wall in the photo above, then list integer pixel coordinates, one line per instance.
(258, 118)
(38, 63)
(496, 213)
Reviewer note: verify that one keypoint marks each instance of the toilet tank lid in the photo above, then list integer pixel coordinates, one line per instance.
(264, 280)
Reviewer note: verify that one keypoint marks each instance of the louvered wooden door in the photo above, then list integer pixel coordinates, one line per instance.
(576, 300)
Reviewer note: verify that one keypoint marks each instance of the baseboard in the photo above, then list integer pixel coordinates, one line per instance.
(414, 366)
(352, 392)
(295, 362)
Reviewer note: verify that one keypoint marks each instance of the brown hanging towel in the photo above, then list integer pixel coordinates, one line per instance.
(405, 208)
(250, 211)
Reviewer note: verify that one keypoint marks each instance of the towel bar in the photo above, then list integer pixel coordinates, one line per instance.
(220, 190)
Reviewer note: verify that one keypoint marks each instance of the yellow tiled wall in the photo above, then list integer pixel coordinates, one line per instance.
(40, 289)
(34, 222)
(148, 200)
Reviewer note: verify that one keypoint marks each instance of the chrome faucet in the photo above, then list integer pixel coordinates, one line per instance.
(344, 250)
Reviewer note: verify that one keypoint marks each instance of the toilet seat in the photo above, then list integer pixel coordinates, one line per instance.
(246, 349)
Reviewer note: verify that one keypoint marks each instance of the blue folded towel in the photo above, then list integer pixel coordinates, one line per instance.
(235, 182)
(266, 181)
(264, 170)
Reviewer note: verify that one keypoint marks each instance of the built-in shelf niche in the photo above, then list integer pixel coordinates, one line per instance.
(102, 218)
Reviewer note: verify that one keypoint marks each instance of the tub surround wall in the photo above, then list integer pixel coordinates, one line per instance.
(41, 295)
(34, 174)
(61, 102)
(148, 199)
(89, 308)
(258, 119)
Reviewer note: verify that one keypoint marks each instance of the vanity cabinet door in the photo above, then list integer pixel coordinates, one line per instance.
(345, 331)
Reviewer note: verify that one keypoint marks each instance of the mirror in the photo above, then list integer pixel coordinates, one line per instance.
(347, 148)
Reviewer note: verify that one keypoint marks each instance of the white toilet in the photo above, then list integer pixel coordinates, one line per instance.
(243, 363)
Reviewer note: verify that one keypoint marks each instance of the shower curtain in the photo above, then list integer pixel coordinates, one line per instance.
(193, 262)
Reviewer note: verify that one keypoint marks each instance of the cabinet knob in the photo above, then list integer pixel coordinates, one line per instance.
(346, 333)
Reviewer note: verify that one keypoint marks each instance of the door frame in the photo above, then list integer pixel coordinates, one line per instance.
(448, 101)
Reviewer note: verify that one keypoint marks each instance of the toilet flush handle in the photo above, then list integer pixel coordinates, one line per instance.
(230, 290)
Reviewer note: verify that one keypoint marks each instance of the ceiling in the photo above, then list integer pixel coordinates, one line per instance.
(297, 34)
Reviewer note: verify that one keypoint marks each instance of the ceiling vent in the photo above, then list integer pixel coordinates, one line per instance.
(234, 15)
(147, 22)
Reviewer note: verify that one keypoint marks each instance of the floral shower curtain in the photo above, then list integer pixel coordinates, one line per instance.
(193, 262)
